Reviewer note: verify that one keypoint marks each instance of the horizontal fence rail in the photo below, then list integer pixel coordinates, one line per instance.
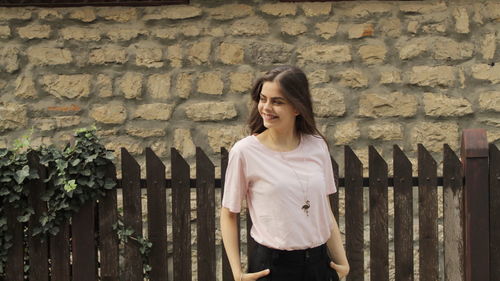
(88, 247)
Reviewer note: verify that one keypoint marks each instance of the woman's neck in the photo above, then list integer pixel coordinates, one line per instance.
(283, 141)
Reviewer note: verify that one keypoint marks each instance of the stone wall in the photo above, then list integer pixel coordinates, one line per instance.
(381, 73)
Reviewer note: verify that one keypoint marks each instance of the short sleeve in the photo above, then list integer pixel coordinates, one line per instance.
(235, 184)
(328, 170)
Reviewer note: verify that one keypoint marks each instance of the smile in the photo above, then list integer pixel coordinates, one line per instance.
(268, 117)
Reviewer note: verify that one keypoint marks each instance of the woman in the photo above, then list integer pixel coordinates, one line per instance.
(284, 171)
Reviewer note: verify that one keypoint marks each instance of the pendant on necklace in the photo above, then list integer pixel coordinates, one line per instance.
(306, 207)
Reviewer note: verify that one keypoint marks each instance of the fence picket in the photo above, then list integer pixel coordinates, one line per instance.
(403, 216)
(428, 214)
(157, 216)
(227, 274)
(132, 218)
(205, 209)
(59, 255)
(83, 246)
(379, 251)
(15, 257)
(181, 211)
(354, 214)
(452, 215)
(37, 245)
(108, 238)
(494, 212)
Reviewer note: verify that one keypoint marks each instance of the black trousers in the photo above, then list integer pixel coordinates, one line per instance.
(299, 265)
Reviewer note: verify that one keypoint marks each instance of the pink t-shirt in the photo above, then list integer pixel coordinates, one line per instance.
(274, 195)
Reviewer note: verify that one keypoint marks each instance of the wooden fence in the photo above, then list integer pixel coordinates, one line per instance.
(88, 249)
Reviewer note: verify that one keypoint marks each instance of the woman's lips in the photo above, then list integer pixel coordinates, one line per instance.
(268, 116)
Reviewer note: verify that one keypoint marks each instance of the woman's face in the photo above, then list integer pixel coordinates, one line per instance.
(276, 111)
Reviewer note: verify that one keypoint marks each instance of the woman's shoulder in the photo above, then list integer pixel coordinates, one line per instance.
(243, 144)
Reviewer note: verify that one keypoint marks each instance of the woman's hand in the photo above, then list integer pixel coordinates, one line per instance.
(342, 270)
(253, 276)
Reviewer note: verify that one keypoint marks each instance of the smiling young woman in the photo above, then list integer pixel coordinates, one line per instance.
(283, 170)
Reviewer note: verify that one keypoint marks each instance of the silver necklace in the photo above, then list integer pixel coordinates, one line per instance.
(307, 204)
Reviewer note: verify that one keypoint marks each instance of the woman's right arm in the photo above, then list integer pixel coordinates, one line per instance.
(229, 232)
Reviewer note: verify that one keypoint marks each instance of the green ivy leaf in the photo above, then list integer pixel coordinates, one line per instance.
(22, 174)
(70, 186)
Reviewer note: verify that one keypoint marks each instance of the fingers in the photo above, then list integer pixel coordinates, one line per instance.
(255, 275)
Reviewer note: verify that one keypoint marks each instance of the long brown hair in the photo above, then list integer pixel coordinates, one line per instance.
(295, 87)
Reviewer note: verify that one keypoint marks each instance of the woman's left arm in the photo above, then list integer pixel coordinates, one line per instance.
(336, 248)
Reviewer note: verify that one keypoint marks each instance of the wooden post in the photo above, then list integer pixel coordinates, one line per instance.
(474, 154)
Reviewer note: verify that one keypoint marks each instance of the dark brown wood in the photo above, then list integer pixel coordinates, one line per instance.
(334, 198)
(14, 268)
(69, 3)
(84, 255)
(205, 209)
(494, 212)
(60, 254)
(132, 217)
(37, 245)
(379, 221)
(474, 154)
(108, 238)
(227, 274)
(403, 216)
(453, 216)
(157, 216)
(251, 244)
(427, 214)
(181, 211)
(354, 214)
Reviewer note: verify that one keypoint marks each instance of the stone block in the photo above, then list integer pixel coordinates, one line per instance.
(230, 11)
(177, 12)
(448, 49)
(490, 101)
(51, 14)
(409, 49)
(292, 27)
(387, 105)
(184, 85)
(326, 30)
(108, 54)
(67, 86)
(439, 105)
(45, 55)
(390, 77)
(104, 86)
(224, 136)
(250, 26)
(154, 111)
(211, 111)
(199, 52)
(486, 72)
(265, 53)
(241, 81)
(120, 33)
(130, 85)
(324, 54)
(58, 122)
(346, 133)
(390, 27)
(183, 142)
(434, 134)
(328, 102)
(385, 131)
(461, 20)
(9, 58)
(433, 76)
(175, 55)
(210, 83)
(279, 9)
(356, 31)
(316, 9)
(149, 57)
(373, 53)
(110, 113)
(423, 8)
(145, 130)
(231, 53)
(158, 86)
(165, 33)
(318, 76)
(118, 14)
(352, 78)
(84, 14)
(4, 31)
(370, 9)
(13, 116)
(33, 31)
(25, 87)
(133, 146)
(80, 33)
(7, 14)
(488, 46)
